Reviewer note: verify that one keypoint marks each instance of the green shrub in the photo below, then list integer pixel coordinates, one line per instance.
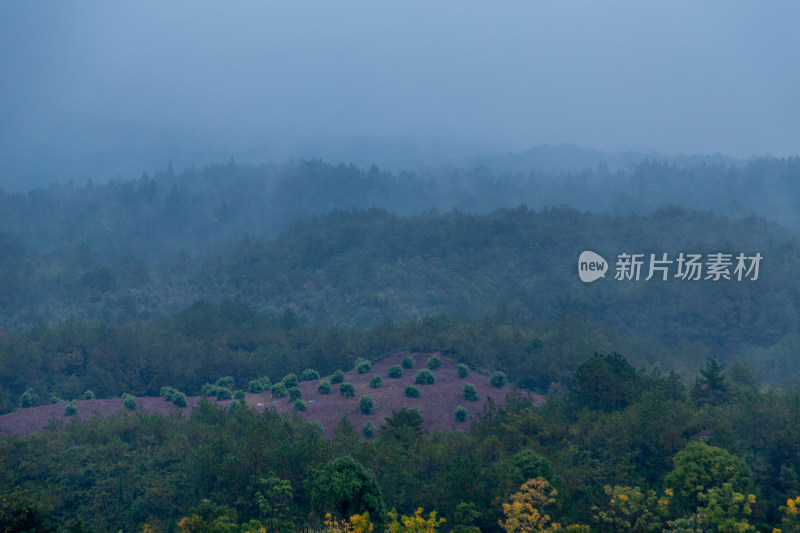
(227, 381)
(407, 362)
(208, 390)
(324, 387)
(411, 391)
(55, 399)
(434, 362)
(309, 374)
(363, 365)
(290, 380)
(337, 377)
(300, 405)
(129, 402)
(347, 389)
(375, 382)
(498, 379)
(71, 409)
(88, 395)
(463, 370)
(259, 385)
(460, 414)
(470, 393)
(294, 393)
(368, 430)
(168, 393)
(29, 398)
(425, 377)
(180, 399)
(239, 395)
(175, 396)
(278, 390)
(395, 371)
(366, 404)
(236, 404)
(224, 393)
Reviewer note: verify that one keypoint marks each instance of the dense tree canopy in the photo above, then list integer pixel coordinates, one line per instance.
(230, 277)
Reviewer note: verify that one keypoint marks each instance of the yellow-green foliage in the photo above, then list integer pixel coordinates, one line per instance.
(525, 511)
(414, 524)
(631, 509)
(358, 523)
(791, 516)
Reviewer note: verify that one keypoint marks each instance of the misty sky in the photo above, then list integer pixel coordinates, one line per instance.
(674, 77)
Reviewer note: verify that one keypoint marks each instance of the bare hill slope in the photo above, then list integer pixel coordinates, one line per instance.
(436, 402)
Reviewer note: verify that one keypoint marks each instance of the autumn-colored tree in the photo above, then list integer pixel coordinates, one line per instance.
(634, 510)
(210, 517)
(18, 512)
(220, 524)
(413, 524)
(722, 510)
(197, 524)
(357, 523)
(791, 518)
(525, 512)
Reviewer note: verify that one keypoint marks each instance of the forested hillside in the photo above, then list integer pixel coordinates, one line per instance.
(198, 208)
(360, 268)
(620, 447)
(187, 283)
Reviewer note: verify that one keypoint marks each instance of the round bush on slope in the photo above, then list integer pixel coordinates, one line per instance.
(366, 404)
(434, 363)
(259, 385)
(309, 374)
(425, 377)
(411, 391)
(498, 379)
(324, 387)
(363, 365)
(129, 401)
(278, 390)
(294, 393)
(347, 389)
(470, 393)
(368, 430)
(180, 399)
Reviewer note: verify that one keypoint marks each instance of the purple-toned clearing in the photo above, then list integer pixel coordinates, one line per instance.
(436, 402)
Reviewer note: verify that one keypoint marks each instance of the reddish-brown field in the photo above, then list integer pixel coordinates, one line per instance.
(436, 402)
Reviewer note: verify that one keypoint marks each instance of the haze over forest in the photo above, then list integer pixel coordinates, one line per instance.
(151, 154)
(98, 90)
(223, 207)
(135, 138)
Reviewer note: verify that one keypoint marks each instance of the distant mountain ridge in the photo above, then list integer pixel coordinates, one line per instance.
(101, 150)
(568, 159)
